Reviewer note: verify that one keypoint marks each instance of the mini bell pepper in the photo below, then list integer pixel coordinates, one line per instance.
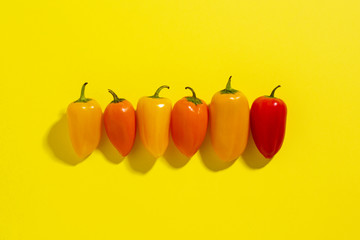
(189, 121)
(229, 123)
(268, 120)
(153, 117)
(120, 124)
(84, 120)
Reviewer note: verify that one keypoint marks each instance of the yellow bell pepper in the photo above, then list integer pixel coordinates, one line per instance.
(84, 120)
(229, 123)
(153, 118)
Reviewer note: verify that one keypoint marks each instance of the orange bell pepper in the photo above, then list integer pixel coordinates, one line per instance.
(84, 119)
(189, 121)
(229, 123)
(153, 118)
(120, 124)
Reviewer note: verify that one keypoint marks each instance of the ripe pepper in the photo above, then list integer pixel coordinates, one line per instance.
(84, 120)
(229, 123)
(268, 120)
(120, 124)
(189, 121)
(153, 115)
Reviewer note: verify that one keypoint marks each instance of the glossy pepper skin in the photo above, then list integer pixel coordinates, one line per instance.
(229, 123)
(268, 120)
(189, 121)
(120, 124)
(84, 120)
(153, 118)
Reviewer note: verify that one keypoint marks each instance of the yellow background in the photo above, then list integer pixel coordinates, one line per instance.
(310, 190)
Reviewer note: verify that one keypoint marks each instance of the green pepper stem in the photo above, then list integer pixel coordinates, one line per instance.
(273, 91)
(228, 85)
(193, 92)
(82, 94)
(116, 98)
(156, 95)
(228, 89)
(193, 99)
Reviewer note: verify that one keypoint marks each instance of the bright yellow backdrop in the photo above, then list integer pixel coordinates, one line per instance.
(310, 190)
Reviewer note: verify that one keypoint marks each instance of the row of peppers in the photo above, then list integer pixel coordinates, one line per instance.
(228, 116)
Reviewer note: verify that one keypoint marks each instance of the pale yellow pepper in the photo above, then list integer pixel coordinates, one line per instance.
(153, 115)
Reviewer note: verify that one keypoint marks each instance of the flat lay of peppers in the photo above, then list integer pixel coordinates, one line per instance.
(228, 118)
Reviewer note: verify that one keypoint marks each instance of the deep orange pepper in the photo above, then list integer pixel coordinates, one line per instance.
(84, 119)
(229, 123)
(120, 124)
(189, 121)
(153, 118)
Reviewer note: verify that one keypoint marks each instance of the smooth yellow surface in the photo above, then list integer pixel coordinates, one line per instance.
(229, 124)
(85, 126)
(310, 190)
(153, 124)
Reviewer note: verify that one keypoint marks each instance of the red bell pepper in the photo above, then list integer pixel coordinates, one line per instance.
(267, 121)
